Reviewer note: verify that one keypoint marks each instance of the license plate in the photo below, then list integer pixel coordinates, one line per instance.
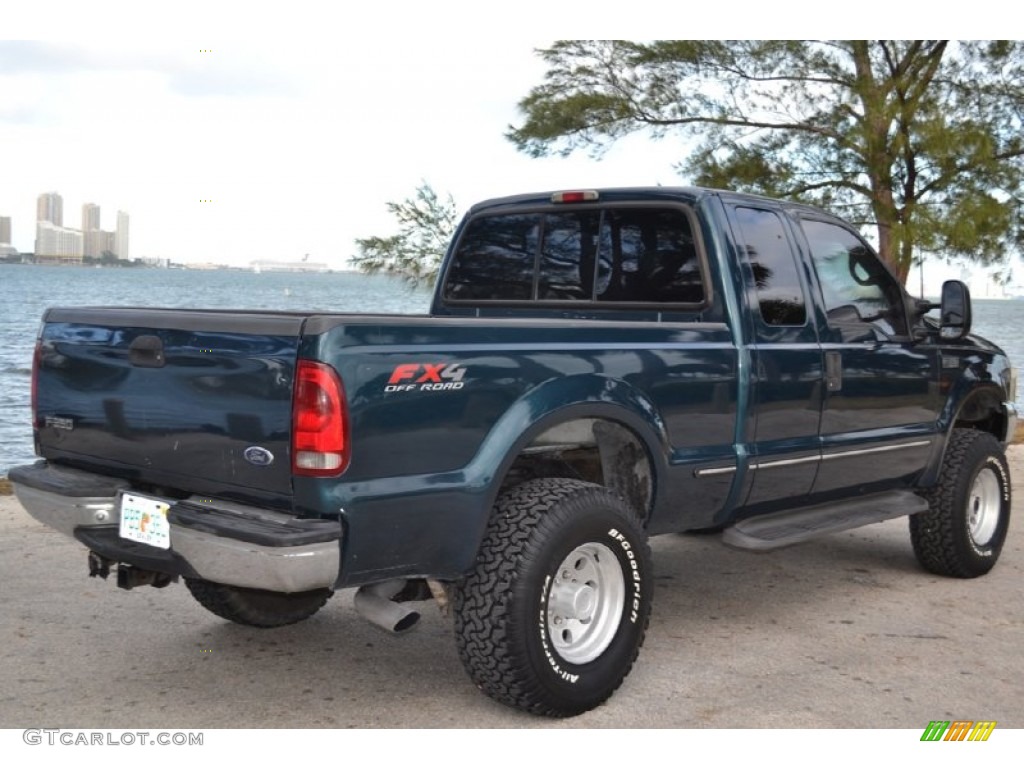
(145, 520)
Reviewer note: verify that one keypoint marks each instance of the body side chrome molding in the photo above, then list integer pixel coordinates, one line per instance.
(879, 449)
(809, 459)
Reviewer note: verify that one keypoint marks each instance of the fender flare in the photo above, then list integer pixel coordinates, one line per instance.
(568, 398)
(968, 388)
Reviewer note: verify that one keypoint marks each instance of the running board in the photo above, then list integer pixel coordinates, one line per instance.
(792, 527)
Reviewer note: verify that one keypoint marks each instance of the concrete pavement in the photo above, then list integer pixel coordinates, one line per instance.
(846, 631)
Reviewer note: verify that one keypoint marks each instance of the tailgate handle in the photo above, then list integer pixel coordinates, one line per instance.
(147, 352)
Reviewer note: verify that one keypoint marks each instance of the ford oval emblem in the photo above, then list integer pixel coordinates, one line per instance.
(260, 457)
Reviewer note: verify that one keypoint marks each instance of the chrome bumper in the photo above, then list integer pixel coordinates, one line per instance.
(66, 513)
(216, 557)
(1012, 415)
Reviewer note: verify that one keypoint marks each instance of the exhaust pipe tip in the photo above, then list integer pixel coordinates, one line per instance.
(374, 603)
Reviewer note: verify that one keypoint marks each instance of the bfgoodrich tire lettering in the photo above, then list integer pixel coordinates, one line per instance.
(963, 531)
(554, 614)
(257, 607)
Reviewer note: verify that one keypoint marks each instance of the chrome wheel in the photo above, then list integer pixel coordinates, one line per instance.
(984, 506)
(585, 603)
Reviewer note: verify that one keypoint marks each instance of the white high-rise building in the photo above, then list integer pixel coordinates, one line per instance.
(58, 244)
(50, 207)
(121, 238)
(5, 230)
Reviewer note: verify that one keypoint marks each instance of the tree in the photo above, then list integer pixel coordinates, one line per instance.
(920, 139)
(425, 227)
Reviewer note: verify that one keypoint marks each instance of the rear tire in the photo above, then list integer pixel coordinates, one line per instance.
(257, 607)
(963, 531)
(553, 616)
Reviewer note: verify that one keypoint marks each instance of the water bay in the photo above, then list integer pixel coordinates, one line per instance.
(26, 291)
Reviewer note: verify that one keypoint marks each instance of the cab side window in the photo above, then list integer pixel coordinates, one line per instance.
(858, 291)
(767, 251)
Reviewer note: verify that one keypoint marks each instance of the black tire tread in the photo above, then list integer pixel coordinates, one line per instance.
(481, 616)
(256, 607)
(933, 534)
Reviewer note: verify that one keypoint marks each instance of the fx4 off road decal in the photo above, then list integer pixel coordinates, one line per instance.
(426, 377)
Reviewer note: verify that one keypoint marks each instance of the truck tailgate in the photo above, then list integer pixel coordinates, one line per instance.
(198, 400)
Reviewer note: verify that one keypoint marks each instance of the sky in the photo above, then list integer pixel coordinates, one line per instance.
(235, 151)
(231, 132)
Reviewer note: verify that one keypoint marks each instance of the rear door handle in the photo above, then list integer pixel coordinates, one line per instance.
(833, 371)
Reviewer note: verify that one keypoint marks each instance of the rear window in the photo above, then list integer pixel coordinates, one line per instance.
(629, 255)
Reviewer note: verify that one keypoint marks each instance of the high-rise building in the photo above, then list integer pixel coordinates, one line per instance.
(5, 230)
(122, 235)
(94, 240)
(58, 244)
(50, 207)
(90, 217)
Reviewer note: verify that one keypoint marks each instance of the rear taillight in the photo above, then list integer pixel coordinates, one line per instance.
(319, 421)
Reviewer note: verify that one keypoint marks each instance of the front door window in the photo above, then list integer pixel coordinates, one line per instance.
(862, 298)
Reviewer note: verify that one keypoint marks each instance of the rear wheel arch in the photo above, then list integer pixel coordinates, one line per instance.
(606, 447)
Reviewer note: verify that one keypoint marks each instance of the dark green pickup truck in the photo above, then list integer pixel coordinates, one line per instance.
(598, 366)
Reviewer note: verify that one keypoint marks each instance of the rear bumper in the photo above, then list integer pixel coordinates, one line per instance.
(215, 540)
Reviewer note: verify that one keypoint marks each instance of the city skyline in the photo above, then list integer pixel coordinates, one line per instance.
(55, 243)
(206, 145)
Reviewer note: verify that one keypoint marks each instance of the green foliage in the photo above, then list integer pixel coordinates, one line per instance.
(425, 227)
(921, 139)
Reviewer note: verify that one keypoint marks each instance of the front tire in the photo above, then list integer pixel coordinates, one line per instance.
(553, 616)
(963, 531)
(257, 607)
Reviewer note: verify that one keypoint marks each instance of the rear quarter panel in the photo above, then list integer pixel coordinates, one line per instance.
(426, 463)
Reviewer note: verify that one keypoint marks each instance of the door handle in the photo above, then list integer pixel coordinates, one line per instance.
(833, 371)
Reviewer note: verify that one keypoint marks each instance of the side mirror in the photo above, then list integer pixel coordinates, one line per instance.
(955, 311)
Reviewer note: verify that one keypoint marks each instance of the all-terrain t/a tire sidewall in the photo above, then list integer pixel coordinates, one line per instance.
(989, 550)
(583, 686)
(587, 542)
(942, 536)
